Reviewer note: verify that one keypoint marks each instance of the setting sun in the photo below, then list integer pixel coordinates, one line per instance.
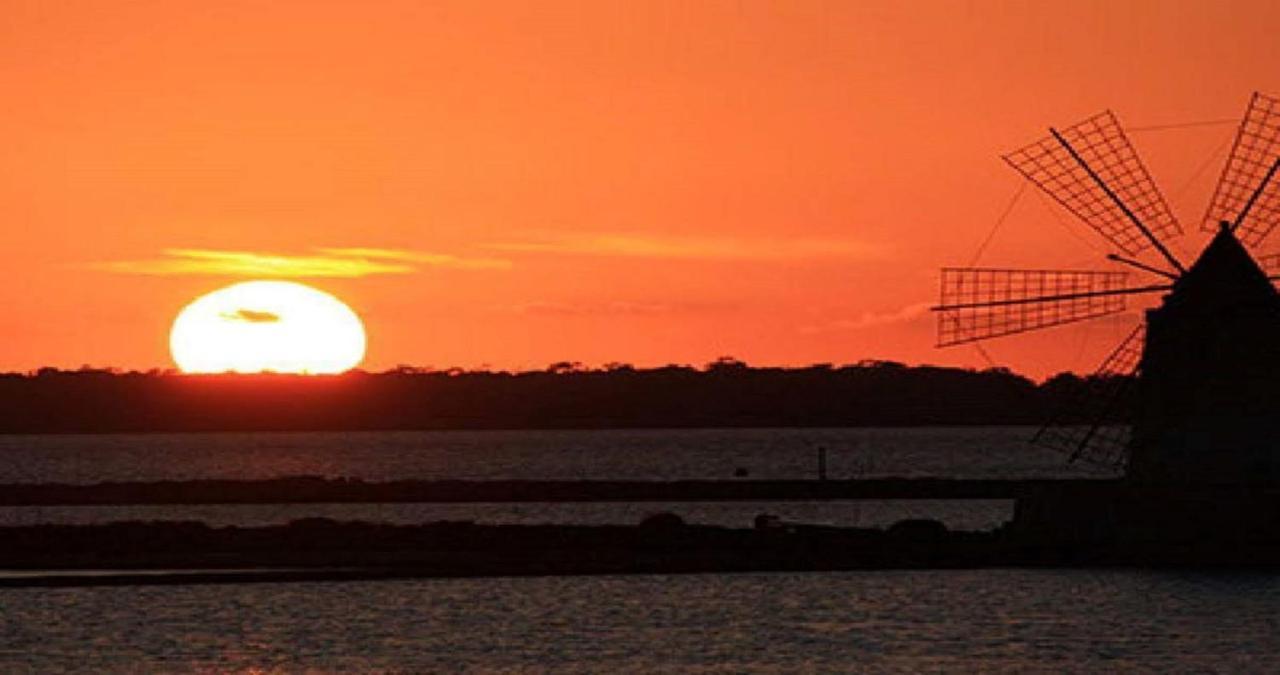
(267, 326)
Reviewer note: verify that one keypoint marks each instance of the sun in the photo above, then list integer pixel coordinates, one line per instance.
(267, 326)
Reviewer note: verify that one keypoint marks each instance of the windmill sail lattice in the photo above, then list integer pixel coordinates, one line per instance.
(1256, 149)
(1091, 427)
(1102, 145)
(1093, 171)
(1269, 264)
(983, 303)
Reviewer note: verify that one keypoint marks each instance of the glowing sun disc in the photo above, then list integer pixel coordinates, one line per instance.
(267, 326)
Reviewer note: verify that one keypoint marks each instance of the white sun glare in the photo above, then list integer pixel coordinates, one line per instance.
(267, 326)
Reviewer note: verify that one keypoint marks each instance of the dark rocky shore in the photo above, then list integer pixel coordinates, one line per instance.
(662, 543)
(321, 549)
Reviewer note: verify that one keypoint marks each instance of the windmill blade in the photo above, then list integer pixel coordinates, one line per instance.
(1092, 169)
(1093, 425)
(1256, 149)
(1269, 263)
(979, 303)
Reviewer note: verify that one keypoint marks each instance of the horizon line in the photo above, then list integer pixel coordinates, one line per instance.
(558, 368)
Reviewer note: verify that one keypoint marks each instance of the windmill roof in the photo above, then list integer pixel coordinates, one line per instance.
(1224, 274)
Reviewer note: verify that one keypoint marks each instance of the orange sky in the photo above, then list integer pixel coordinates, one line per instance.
(517, 184)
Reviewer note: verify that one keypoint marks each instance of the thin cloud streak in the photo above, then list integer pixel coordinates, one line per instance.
(610, 308)
(330, 263)
(419, 257)
(640, 246)
(913, 312)
(251, 316)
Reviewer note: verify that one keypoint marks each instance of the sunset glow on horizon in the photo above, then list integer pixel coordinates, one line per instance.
(510, 185)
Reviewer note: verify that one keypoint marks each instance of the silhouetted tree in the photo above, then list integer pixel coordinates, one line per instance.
(728, 392)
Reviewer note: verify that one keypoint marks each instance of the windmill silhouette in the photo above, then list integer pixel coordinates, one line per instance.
(1204, 365)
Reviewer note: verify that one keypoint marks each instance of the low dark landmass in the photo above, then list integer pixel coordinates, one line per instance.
(726, 393)
(321, 549)
(1068, 523)
(661, 544)
(316, 490)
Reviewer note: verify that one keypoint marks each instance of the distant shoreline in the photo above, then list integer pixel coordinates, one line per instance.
(723, 395)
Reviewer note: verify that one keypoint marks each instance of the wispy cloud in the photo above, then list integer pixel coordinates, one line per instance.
(694, 248)
(199, 262)
(323, 262)
(913, 312)
(418, 257)
(610, 308)
(251, 316)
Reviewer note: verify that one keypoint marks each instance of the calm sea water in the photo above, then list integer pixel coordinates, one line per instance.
(935, 621)
(986, 452)
(888, 621)
(660, 454)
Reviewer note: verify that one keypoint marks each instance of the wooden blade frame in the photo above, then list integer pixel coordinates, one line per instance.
(1269, 263)
(1244, 195)
(978, 303)
(1094, 426)
(1092, 169)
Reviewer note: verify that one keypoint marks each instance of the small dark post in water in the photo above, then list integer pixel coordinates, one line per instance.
(822, 462)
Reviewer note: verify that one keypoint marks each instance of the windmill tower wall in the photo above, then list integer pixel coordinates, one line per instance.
(1208, 407)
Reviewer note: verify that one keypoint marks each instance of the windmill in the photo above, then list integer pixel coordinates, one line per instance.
(1203, 368)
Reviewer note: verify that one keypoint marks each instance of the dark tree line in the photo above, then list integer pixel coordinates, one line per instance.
(725, 393)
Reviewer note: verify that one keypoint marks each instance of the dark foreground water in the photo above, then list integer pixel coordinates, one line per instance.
(934, 621)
